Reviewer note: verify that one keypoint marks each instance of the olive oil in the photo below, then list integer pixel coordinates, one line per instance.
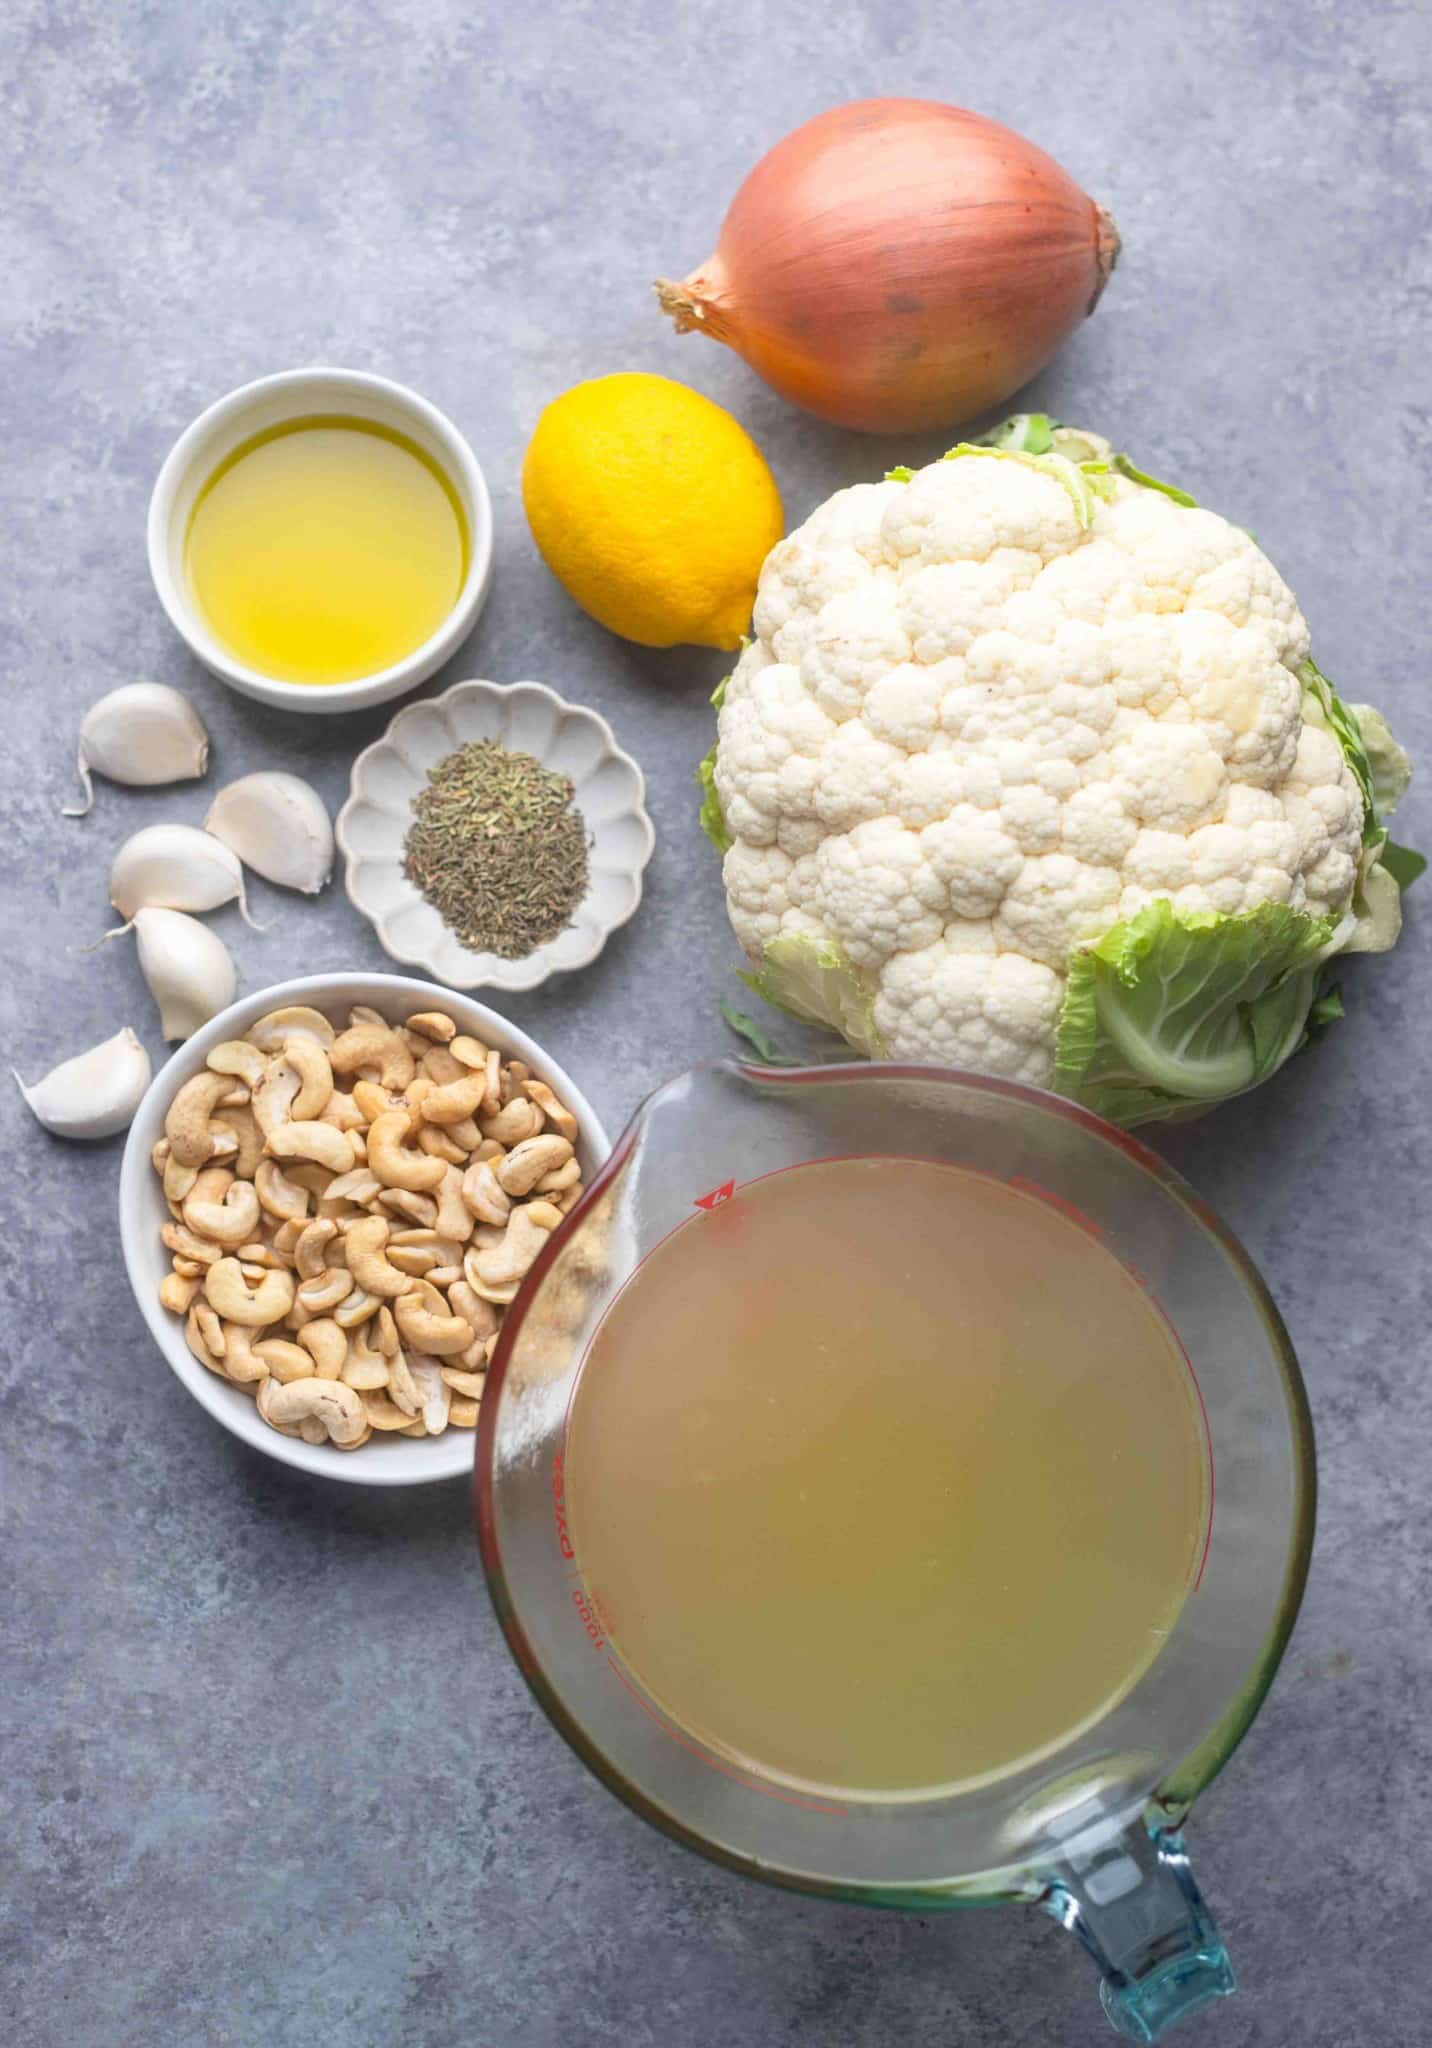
(885, 1477)
(326, 549)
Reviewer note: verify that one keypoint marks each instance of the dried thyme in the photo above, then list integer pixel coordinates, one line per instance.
(498, 848)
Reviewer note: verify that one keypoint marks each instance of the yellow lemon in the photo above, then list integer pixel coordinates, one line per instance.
(653, 508)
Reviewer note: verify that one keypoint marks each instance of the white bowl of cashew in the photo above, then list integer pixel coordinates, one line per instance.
(142, 1211)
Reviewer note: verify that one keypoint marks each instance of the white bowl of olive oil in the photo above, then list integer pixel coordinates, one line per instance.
(321, 539)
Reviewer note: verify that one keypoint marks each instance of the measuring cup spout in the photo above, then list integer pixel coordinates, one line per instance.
(1134, 1905)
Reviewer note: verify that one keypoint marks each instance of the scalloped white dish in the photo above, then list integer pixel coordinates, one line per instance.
(609, 791)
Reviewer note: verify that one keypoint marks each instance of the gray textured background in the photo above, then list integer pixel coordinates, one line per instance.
(270, 1777)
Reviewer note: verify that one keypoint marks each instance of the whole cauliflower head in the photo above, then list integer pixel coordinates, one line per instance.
(1007, 717)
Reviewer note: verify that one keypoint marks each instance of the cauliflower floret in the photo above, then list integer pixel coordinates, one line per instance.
(974, 733)
(996, 1013)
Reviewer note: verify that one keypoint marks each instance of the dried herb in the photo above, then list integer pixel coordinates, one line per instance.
(498, 848)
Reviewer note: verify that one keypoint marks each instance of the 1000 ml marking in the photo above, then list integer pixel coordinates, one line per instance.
(585, 1606)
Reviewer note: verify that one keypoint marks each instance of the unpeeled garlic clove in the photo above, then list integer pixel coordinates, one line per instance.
(96, 1093)
(189, 970)
(142, 734)
(277, 825)
(175, 867)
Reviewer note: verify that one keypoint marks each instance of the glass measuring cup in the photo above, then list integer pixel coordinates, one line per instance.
(1091, 1833)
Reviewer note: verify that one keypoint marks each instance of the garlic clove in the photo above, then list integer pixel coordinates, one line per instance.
(96, 1093)
(176, 867)
(189, 969)
(142, 734)
(277, 825)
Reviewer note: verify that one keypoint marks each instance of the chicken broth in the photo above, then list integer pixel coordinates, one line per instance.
(885, 1477)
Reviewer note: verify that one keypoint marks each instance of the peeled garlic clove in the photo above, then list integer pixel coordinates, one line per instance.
(175, 867)
(189, 970)
(96, 1093)
(142, 734)
(276, 824)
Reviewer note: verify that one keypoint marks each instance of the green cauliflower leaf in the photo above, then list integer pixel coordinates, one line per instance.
(1173, 1011)
(813, 979)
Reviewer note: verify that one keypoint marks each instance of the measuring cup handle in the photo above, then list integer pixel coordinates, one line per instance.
(1133, 1903)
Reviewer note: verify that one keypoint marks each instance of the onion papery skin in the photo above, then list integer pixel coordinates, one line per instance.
(898, 264)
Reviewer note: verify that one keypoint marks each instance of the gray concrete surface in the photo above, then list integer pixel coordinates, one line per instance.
(270, 1776)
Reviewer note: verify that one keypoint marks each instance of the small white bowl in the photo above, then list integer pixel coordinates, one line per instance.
(609, 792)
(142, 1211)
(291, 395)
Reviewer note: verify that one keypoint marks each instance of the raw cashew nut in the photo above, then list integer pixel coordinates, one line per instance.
(528, 1229)
(364, 1242)
(402, 1387)
(337, 1407)
(194, 1338)
(177, 1293)
(387, 1332)
(325, 1290)
(395, 1164)
(231, 1297)
(427, 1330)
(462, 1413)
(318, 1142)
(364, 1368)
(310, 1254)
(187, 1124)
(526, 1163)
(359, 1186)
(282, 1197)
(270, 1033)
(512, 1123)
(178, 1180)
(315, 1077)
(473, 1309)
(228, 1212)
(238, 1056)
(492, 1098)
(563, 1177)
(272, 1101)
(210, 1329)
(484, 1194)
(355, 1308)
(259, 1255)
(328, 1346)
(283, 1360)
(419, 1209)
(434, 1393)
(383, 1413)
(434, 1140)
(176, 1238)
(241, 1361)
(560, 1118)
(373, 1045)
(469, 1053)
(457, 1099)
(432, 1024)
(373, 1101)
(342, 1112)
(249, 1140)
(415, 1259)
(454, 1219)
(469, 1383)
(440, 1066)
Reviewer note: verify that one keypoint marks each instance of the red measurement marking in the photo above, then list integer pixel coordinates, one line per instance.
(717, 1196)
(559, 1507)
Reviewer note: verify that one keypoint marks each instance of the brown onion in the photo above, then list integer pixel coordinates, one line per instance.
(896, 264)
